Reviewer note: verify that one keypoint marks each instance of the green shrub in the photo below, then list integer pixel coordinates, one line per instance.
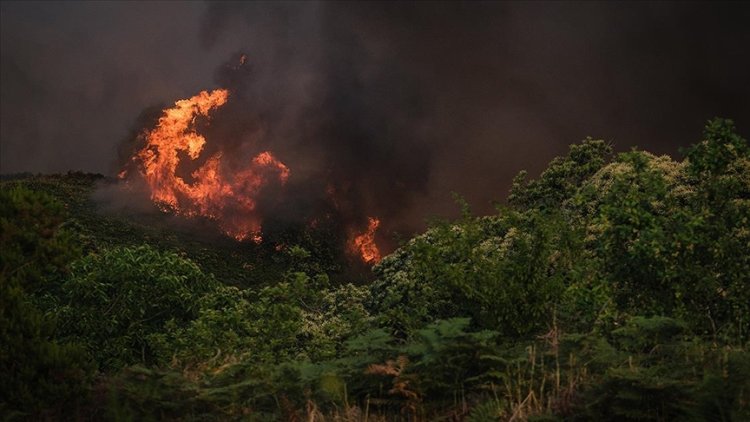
(39, 374)
(300, 318)
(508, 273)
(657, 370)
(669, 235)
(115, 301)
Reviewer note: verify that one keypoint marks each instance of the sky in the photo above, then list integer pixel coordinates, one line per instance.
(409, 101)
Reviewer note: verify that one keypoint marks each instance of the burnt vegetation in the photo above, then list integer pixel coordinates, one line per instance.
(611, 287)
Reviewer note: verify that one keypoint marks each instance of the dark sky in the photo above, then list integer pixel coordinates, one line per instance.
(418, 99)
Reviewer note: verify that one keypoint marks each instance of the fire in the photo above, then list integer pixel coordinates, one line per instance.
(217, 192)
(364, 244)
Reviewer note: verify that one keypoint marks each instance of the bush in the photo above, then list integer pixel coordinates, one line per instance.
(658, 370)
(115, 301)
(668, 235)
(301, 318)
(39, 374)
(508, 273)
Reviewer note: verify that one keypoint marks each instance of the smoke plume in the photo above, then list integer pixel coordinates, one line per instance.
(386, 107)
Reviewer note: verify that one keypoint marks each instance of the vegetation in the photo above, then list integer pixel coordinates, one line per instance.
(37, 369)
(612, 287)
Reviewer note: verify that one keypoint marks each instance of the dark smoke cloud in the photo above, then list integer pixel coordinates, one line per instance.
(76, 74)
(399, 103)
(410, 101)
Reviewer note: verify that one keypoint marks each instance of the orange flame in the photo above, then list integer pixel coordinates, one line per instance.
(364, 244)
(216, 192)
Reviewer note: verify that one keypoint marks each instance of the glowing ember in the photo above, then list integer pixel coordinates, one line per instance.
(220, 193)
(364, 244)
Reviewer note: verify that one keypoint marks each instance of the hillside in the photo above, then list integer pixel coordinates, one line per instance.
(101, 216)
(611, 287)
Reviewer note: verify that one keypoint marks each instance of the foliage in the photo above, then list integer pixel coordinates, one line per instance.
(116, 300)
(301, 318)
(657, 370)
(562, 178)
(504, 272)
(358, 376)
(669, 243)
(612, 287)
(595, 241)
(35, 246)
(39, 373)
(720, 149)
